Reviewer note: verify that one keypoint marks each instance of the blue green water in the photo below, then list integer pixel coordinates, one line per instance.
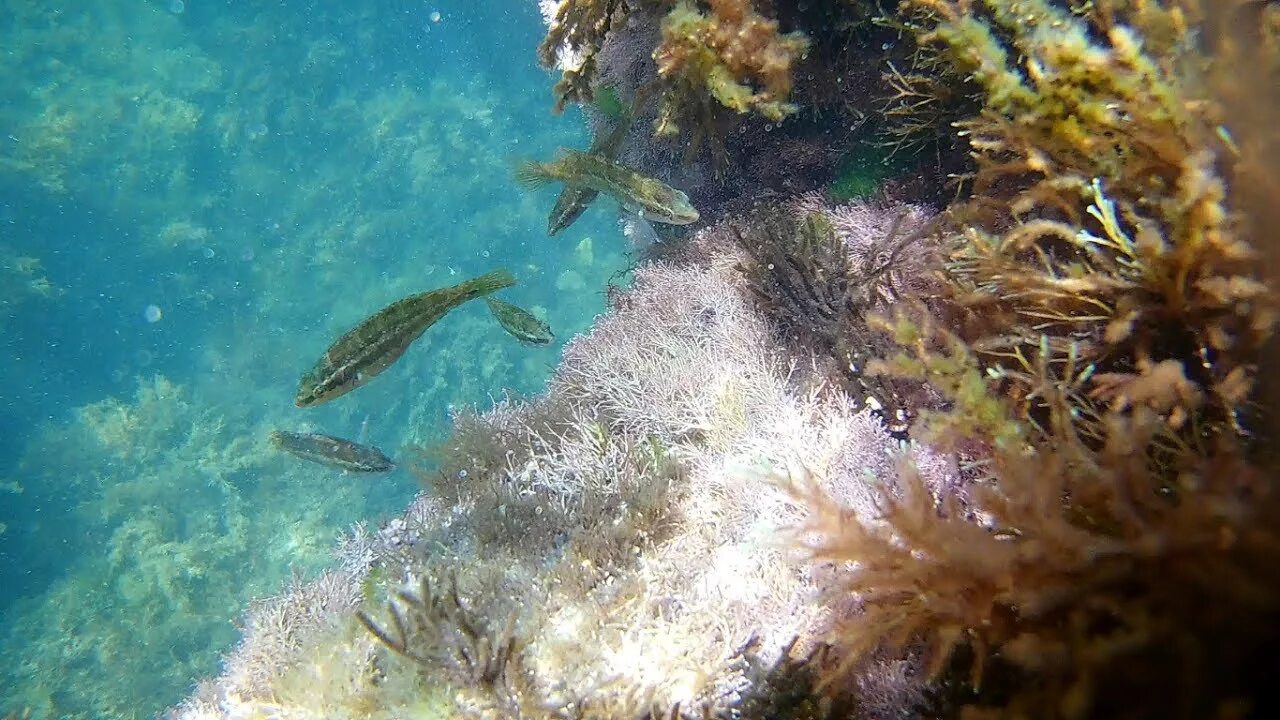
(195, 199)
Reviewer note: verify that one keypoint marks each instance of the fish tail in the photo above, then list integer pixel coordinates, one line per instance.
(491, 281)
(533, 175)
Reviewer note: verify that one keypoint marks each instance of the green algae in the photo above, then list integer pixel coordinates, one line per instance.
(862, 172)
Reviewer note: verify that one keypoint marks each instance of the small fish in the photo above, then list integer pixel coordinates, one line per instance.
(652, 198)
(520, 322)
(332, 451)
(373, 345)
(572, 201)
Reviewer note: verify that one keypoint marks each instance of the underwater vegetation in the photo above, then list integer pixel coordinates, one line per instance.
(730, 53)
(90, 116)
(22, 280)
(174, 504)
(1105, 314)
(737, 85)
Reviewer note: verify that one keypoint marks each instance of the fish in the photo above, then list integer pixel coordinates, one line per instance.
(333, 451)
(573, 200)
(520, 322)
(646, 196)
(373, 345)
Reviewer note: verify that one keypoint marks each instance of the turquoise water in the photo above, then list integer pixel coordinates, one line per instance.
(195, 199)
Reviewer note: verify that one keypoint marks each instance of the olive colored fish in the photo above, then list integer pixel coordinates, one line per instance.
(373, 345)
(333, 451)
(573, 200)
(520, 322)
(651, 198)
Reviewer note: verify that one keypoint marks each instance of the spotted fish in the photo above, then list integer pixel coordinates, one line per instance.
(573, 200)
(651, 198)
(333, 451)
(520, 322)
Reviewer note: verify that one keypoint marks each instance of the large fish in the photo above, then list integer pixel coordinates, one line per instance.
(574, 199)
(373, 345)
(651, 198)
(333, 451)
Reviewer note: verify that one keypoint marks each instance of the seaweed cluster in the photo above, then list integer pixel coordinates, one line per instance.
(1100, 220)
(1103, 320)
(22, 279)
(436, 630)
(820, 270)
(725, 54)
(732, 54)
(737, 83)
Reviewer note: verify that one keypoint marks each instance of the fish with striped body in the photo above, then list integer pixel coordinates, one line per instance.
(573, 200)
(649, 197)
(333, 451)
(520, 323)
(373, 345)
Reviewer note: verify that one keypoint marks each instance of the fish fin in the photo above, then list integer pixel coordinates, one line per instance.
(637, 228)
(493, 281)
(533, 175)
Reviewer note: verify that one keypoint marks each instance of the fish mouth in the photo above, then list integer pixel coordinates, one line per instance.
(672, 217)
(688, 219)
